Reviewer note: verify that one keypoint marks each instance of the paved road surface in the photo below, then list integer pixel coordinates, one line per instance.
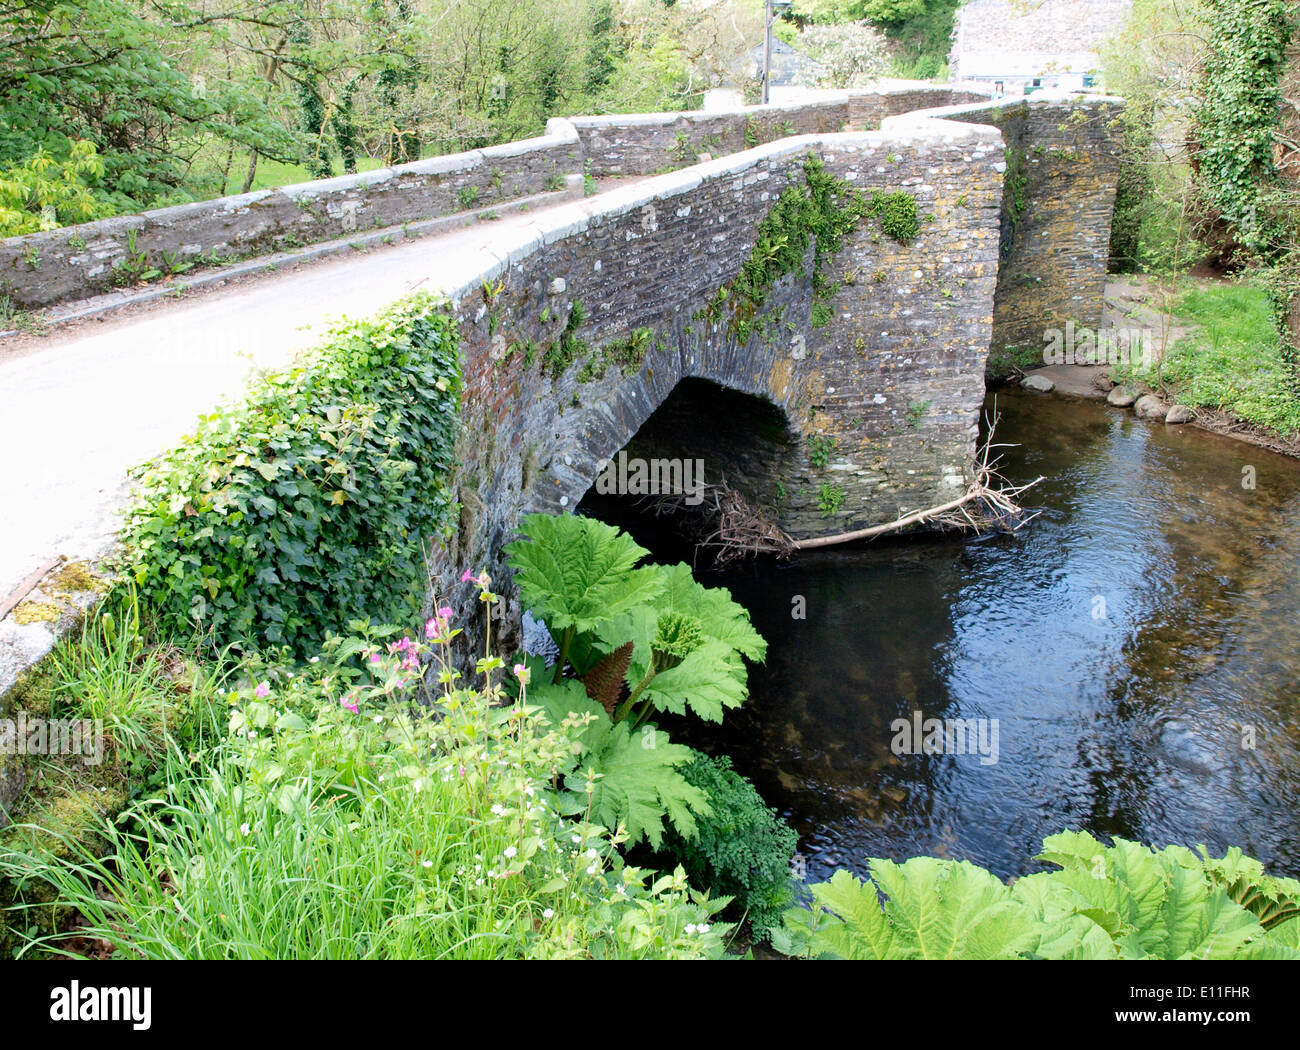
(84, 405)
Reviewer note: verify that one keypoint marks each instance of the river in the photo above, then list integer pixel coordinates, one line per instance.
(1133, 652)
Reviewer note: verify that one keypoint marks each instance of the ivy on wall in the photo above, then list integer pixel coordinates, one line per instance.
(821, 210)
(309, 504)
(1237, 118)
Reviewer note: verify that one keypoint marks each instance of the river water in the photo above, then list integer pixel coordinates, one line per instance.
(1137, 644)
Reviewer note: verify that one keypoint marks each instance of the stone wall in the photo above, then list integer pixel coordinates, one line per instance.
(1062, 157)
(867, 109)
(895, 377)
(74, 262)
(652, 143)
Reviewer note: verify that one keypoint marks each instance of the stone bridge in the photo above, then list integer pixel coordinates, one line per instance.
(858, 399)
(849, 396)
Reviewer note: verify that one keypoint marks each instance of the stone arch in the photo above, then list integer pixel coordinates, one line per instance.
(704, 433)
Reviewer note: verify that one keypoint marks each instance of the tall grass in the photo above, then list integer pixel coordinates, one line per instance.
(213, 870)
(332, 819)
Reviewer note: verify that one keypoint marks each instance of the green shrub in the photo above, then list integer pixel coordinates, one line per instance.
(742, 848)
(1123, 901)
(47, 191)
(309, 504)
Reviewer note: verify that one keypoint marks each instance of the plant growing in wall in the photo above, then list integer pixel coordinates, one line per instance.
(819, 449)
(563, 351)
(897, 214)
(823, 207)
(829, 498)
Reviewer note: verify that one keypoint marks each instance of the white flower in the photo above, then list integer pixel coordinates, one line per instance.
(549, 913)
(690, 927)
(510, 851)
(703, 927)
(577, 839)
(499, 810)
(591, 853)
(314, 660)
(592, 869)
(426, 864)
(244, 829)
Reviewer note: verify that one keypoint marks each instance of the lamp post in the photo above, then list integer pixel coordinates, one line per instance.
(771, 7)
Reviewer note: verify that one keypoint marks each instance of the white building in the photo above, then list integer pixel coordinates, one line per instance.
(1032, 43)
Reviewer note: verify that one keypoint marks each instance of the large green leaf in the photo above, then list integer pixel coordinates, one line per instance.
(720, 616)
(636, 781)
(707, 682)
(578, 572)
(1124, 901)
(934, 909)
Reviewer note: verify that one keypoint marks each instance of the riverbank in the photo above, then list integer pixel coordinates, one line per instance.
(1215, 361)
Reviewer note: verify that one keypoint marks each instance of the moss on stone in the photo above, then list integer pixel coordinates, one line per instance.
(37, 612)
(77, 578)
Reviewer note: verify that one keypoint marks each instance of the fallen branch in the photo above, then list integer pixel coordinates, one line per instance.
(987, 503)
(719, 519)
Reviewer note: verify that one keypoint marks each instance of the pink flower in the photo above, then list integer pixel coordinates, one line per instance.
(374, 658)
(263, 690)
(466, 576)
(350, 703)
(522, 673)
(431, 628)
(446, 612)
(399, 646)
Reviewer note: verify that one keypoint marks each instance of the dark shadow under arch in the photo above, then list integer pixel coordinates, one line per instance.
(740, 440)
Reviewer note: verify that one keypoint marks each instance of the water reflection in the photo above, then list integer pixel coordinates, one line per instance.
(1128, 642)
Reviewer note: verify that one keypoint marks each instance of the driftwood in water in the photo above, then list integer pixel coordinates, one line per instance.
(726, 525)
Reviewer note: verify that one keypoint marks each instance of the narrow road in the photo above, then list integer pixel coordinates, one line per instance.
(83, 405)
